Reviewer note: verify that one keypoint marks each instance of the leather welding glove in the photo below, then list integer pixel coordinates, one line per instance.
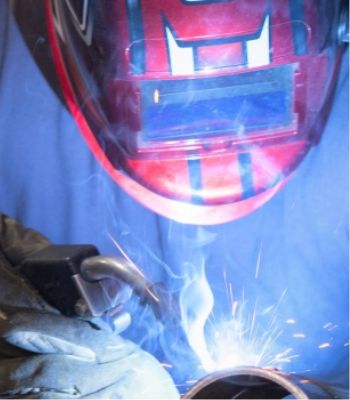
(44, 354)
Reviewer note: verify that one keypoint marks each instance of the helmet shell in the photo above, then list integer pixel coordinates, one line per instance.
(199, 110)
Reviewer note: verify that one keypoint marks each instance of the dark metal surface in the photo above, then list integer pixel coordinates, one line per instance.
(258, 383)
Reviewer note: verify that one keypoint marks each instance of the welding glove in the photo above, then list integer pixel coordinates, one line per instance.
(44, 354)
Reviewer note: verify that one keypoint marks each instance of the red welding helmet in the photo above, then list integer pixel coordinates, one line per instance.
(200, 110)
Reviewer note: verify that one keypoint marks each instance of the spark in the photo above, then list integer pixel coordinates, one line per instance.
(241, 340)
(299, 335)
(324, 345)
(125, 255)
(191, 381)
(165, 365)
(247, 336)
(228, 286)
(330, 326)
(156, 96)
(234, 308)
(267, 310)
(285, 356)
(134, 266)
(258, 262)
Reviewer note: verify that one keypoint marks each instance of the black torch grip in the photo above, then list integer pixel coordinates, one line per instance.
(50, 271)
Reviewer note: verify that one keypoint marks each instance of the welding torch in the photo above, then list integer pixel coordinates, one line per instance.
(80, 282)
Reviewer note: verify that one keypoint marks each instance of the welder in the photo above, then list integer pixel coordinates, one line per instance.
(205, 141)
(44, 354)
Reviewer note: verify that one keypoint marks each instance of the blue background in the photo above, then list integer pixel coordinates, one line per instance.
(50, 181)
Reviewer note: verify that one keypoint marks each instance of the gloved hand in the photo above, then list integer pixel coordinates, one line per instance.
(44, 354)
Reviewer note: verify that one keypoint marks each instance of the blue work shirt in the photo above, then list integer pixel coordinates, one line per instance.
(278, 277)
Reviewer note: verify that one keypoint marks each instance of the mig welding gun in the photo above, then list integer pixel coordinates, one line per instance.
(80, 282)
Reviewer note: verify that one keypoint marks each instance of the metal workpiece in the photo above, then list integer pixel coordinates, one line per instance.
(258, 383)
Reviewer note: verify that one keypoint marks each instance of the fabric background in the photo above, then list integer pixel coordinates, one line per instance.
(289, 257)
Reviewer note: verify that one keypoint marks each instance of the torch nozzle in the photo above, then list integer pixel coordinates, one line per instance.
(101, 268)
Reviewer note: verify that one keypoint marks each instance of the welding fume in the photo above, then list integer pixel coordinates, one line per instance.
(174, 199)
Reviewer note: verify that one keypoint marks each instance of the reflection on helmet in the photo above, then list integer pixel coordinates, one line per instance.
(200, 110)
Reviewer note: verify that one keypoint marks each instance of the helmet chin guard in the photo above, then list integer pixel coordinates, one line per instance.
(199, 110)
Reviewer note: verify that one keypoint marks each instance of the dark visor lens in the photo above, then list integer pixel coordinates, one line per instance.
(232, 105)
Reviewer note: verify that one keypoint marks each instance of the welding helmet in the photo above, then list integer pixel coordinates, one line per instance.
(200, 110)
